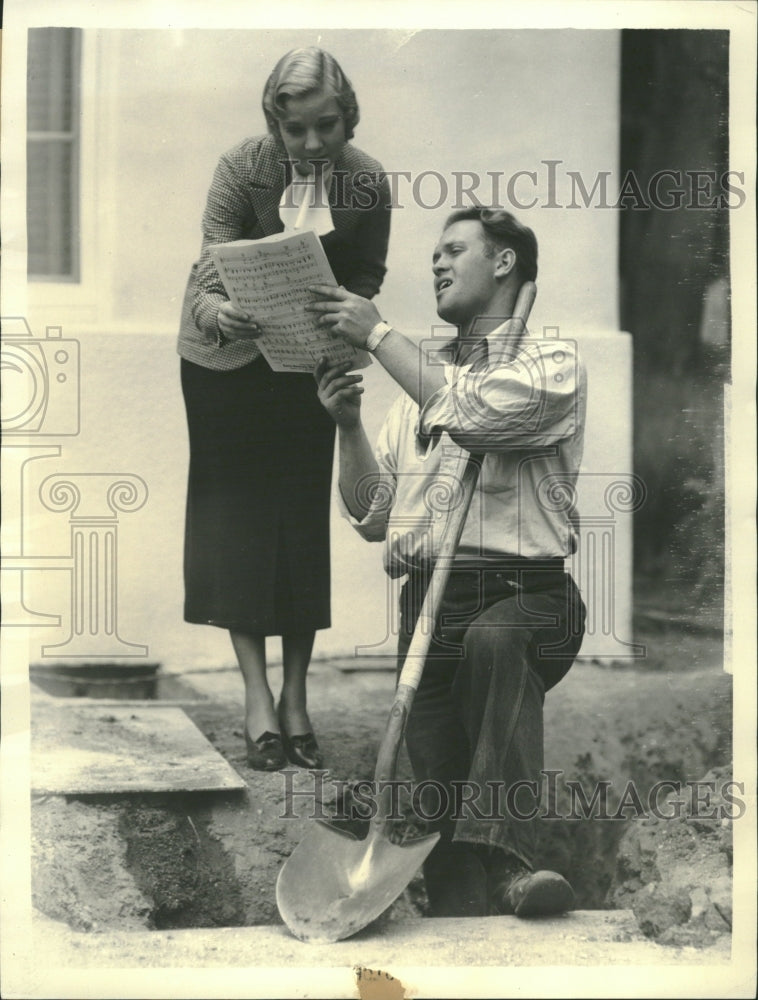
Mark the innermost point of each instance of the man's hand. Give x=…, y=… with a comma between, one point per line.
x=340, y=393
x=236, y=325
x=353, y=318
x=347, y=315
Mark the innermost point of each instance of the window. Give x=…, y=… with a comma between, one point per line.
x=52, y=164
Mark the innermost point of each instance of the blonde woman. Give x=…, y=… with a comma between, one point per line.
x=261, y=445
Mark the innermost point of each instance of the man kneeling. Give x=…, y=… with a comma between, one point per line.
x=511, y=619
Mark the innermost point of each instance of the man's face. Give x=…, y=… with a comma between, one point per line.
x=464, y=276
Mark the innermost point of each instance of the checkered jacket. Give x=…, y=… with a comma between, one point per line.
x=243, y=203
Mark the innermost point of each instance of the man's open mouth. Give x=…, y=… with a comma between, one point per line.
x=445, y=283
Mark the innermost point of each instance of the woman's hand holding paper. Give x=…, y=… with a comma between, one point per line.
x=236, y=325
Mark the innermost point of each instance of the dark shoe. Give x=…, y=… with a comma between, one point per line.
x=302, y=750
x=540, y=894
x=532, y=894
x=266, y=753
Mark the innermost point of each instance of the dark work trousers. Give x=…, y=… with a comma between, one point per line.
x=505, y=634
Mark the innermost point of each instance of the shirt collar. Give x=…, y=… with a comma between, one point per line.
x=478, y=355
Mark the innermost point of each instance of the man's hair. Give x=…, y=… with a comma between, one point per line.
x=502, y=230
x=306, y=71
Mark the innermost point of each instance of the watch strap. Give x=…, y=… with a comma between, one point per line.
x=377, y=335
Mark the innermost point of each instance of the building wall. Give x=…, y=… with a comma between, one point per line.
x=159, y=107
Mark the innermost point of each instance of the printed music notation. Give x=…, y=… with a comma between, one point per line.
x=269, y=279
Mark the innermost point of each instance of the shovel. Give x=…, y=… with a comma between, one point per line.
x=333, y=885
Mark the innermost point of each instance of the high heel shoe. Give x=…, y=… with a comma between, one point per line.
x=303, y=749
x=266, y=753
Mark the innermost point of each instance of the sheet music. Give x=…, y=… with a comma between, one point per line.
x=269, y=279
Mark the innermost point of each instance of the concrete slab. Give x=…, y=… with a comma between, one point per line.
x=476, y=957
x=95, y=749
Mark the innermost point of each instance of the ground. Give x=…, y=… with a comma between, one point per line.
x=202, y=859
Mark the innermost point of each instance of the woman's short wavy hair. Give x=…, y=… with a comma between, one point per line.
x=302, y=72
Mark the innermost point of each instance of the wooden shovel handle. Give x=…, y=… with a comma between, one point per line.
x=415, y=659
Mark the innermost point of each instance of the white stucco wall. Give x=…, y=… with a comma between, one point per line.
x=159, y=107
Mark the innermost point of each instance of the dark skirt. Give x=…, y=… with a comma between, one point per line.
x=256, y=555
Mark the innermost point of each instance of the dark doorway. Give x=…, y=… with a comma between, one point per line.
x=674, y=287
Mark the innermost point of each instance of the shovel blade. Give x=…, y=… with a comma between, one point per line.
x=333, y=885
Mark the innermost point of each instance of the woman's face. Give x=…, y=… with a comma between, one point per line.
x=312, y=128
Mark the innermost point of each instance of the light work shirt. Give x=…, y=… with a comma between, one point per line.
x=526, y=416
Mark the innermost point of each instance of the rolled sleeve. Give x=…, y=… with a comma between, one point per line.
x=529, y=402
x=373, y=526
x=380, y=490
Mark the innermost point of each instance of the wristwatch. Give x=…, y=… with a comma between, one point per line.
x=377, y=335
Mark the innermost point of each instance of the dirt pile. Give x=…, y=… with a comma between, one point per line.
x=79, y=870
x=674, y=870
x=611, y=736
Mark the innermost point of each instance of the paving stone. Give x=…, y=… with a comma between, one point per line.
x=108, y=749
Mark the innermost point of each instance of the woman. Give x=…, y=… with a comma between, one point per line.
x=261, y=445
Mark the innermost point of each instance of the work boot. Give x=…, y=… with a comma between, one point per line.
x=514, y=889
